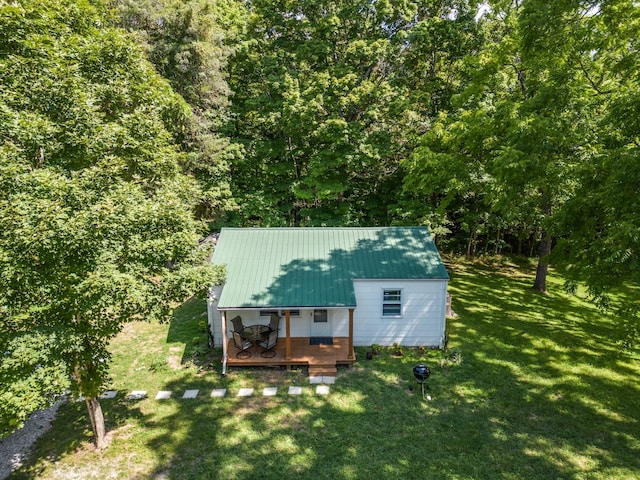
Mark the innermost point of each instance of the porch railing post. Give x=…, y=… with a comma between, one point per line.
x=287, y=344
x=351, y=355
x=225, y=354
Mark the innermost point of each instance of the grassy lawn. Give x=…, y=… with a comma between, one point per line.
x=542, y=391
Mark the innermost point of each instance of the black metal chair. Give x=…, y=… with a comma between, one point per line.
x=268, y=344
x=242, y=345
x=237, y=324
x=274, y=323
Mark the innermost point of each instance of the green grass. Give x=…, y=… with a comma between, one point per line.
x=542, y=392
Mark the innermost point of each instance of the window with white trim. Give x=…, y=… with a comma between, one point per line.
x=392, y=303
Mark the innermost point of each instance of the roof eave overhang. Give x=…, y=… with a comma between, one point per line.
x=400, y=279
x=305, y=307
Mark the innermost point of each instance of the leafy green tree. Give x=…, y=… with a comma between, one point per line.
x=324, y=108
x=190, y=42
x=601, y=222
x=511, y=143
x=96, y=214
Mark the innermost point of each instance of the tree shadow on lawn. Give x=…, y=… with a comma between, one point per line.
x=541, y=393
x=483, y=422
x=557, y=356
x=188, y=327
x=70, y=434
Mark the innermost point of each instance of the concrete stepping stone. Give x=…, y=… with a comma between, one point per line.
x=295, y=390
x=322, y=390
x=137, y=395
x=190, y=394
x=322, y=379
x=270, y=391
x=245, y=392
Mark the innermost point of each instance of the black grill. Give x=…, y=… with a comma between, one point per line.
x=422, y=372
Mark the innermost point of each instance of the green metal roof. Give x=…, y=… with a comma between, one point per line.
x=315, y=267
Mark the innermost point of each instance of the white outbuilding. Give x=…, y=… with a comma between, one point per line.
x=354, y=286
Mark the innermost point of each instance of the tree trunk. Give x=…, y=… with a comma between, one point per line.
x=519, y=247
x=540, y=282
x=471, y=245
x=97, y=422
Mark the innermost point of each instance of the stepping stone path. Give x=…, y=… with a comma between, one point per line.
x=137, y=395
x=295, y=390
x=322, y=379
x=322, y=390
x=216, y=392
x=109, y=394
x=190, y=394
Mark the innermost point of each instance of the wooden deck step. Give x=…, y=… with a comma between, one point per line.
x=323, y=371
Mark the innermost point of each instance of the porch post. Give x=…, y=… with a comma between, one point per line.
x=287, y=344
x=223, y=318
x=351, y=355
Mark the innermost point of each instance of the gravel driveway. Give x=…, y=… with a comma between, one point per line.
x=16, y=447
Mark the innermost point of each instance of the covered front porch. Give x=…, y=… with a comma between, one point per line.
x=321, y=358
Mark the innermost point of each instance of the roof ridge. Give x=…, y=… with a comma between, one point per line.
x=329, y=228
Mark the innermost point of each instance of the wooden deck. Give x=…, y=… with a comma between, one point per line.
x=321, y=359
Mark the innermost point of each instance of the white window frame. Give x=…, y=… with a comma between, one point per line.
x=387, y=301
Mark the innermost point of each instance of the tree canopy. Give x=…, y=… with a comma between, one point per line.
x=97, y=222
x=539, y=142
x=189, y=43
x=325, y=105
x=510, y=127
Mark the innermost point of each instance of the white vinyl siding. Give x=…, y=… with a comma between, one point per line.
x=423, y=313
x=422, y=321
x=214, y=315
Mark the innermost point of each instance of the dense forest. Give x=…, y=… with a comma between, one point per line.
x=507, y=127
x=129, y=128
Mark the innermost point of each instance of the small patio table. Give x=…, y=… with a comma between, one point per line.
x=254, y=333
